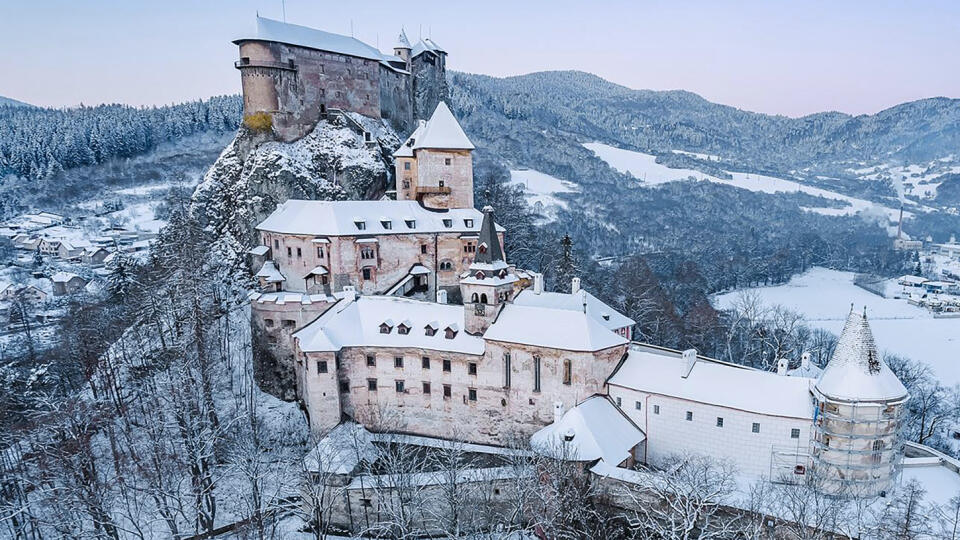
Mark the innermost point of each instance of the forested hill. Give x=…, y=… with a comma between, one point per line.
x=39, y=143
x=7, y=102
x=655, y=121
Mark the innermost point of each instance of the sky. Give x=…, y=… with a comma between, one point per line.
x=773, y=56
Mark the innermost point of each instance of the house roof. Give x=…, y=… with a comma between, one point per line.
x=356, y=322
x=426, y=45
x=604, y=314
x=594, y=429
x=551, y=328
x=856, y=372
x=344, y=447
x=406, y=149
x=311, y=38
x=660, y=371
x=338, y=218
x=270, y=273
x=442, y=132
x=63, y=277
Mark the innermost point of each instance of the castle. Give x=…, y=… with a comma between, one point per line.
x=298, y=75
x=405, y=315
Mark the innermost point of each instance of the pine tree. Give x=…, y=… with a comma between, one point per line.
x=567, y=265
x=120, y=279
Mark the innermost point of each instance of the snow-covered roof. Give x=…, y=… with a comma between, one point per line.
x=594, y=429
x=270, y=273
x=402, y=41
x=424, y=45
x=552, y=328
x=345, y=447
x=442, y=132
x=259, y=251
x=916, y=280
x=660, y=371
x=63, y=277
x=339, y=218
x=356, y=323
x=406, y=149
x=856, y=372
x=303, y=36
x=604, y=314
x=281, y=298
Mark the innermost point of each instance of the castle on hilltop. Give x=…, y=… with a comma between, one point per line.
x=298, y=75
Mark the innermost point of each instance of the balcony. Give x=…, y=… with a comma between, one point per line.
x=248, y=63
x=429, y=190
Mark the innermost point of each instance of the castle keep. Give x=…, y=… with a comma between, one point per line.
x=297, y=74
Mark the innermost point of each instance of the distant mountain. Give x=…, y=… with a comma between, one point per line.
x=7, y=102
x=823, y=144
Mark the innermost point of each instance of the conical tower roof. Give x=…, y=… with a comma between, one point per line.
x=402, y=41
x=443, y=132
x=855, y=371
x=489, y=255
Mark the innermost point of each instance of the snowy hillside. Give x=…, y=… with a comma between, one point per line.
x=7, y=102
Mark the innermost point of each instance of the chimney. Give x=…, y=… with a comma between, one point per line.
x=537, y=283
x=441, y=296
x=583, y=299
x=557, y=411
x=782, y=365
x=805, y=361
x=575, y=285
x=350, y=292
x=689, y=359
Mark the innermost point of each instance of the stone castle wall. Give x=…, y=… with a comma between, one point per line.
x=429, y=83
x=433, y=171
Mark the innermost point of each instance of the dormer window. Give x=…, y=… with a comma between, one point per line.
x=450, y=332
x=468, y=223
x=411, y=223
x=482, y=248
x=448, y=223
x=361, y=225
x=404, y=328
x=430, y=329
x=480, y=274
x=606, y=316
x=387, y=224
x=386, y=327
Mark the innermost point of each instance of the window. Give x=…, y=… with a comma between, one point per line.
x=372, y=385
x=268, y=323
x=345, y=386
x=567, y=372
x=406, y=183
x=299, y=253
x=276, y=244
x=636, y=405
x=755, y=428
x=371, y=360
x=447, y=391
x=289, y=323
x=399, y=385
x=361, y=225
x=321, y=366
x=656, y=409
x=877, y=455
x=367, y=274
x=468, y=223
x=412, y=224
x=469, y=247
x=689, y=416
x=719, y=421
x=448, y=223
x=425, y=362
x=472, y=368
x=506, y=370
x=289, y=252
x=387, y=224
x=385, y=328
x=472, y=394
x=320, y=251
x=366, y=503
x=446, y=365
x=619, y=402
x=429, y=330
x=795, y=433
x=367, y=253
x=406, y=165
x=536, y=373
x=441, y=183
x=450, y=333
x=403, y=329
x=398, y=361
x=423, y=249
x=446, y=265
x=426, y=388
x=446, y=161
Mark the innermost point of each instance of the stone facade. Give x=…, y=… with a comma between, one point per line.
x=440, y=179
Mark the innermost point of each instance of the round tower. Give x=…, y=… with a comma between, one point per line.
x=402, y=48
x=860, y=404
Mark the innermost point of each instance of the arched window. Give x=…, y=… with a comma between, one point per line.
x=483, y=298
x=474, y=298
x=877, y=456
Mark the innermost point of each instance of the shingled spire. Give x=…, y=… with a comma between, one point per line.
x=489, y=251
x=855, y=371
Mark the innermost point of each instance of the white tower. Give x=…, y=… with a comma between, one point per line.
x=860, y=403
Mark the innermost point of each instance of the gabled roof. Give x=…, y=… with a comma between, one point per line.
x=442, y=132
x=604, y=314
x=338, y=218
x=311, y=38
x=270, y=273
x=63, y=277
x=406, y=149
x=594, y=429
x=856, y=372
x=356, y=323
x=426, y=45
x=551, y=328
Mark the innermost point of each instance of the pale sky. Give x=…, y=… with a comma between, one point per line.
x=775, y=56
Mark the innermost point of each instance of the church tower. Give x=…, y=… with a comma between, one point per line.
x=488, y=284
x=860, y=406
x=434, y=166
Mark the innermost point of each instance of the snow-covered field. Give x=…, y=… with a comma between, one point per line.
x=917, y=179
x=824, y=296
x=540, y=189
x=645, y=168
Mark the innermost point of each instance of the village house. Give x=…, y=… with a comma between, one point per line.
x=18, y=291
x=65, y=283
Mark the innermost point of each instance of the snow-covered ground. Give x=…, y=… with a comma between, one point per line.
x=917, y=178
x=824, y=296
x=645, y=168
x=540, y=189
